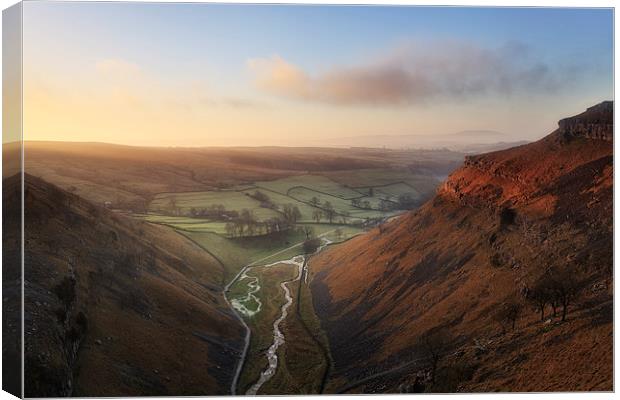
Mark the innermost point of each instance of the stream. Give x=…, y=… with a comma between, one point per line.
x=244, y=310
x=278, y=336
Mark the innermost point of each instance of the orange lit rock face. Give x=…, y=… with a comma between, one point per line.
x=453, y=262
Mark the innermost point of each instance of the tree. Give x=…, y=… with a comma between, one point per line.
x=239, y=228
x=330, y=212
x=557, y=287
x=565, y=284
x=344, y=217
x=434, y=344
x=314, y=201
x=355, y=202
x=311, y=245
x=308, y=231
x=509, y=312
x=247, y=218
x=317, y=215
x=230, y=229
x=540, y=295
x=371, y=192
x=291, y=213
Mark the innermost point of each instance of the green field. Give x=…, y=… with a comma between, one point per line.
x=231, y=199
x=281, y=199
x=316, y=182
x=193, y=215
x=363, y=178
x=308, y=193
x=272, y=298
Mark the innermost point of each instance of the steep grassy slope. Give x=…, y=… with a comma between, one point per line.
x=115, y=306
x=495, y=227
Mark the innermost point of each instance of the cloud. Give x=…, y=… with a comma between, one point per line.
x=416, y=73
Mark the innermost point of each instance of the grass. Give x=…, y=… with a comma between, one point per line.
x=236, y=253
x=231, y=199
x=261, y=324
x=396, y=189
x=306, y=210
x=304, y=357
x=315, y=182
x=340, y=205
x=378, y=177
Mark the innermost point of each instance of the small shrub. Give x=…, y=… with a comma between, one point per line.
x=507, y=216
x=496, y=260
x=65, y=291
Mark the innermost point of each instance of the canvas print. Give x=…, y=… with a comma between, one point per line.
x=232, y=199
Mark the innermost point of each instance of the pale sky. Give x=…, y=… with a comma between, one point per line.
x=202, y=75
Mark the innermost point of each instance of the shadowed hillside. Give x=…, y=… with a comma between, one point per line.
x=116, y=306
x=502, y=282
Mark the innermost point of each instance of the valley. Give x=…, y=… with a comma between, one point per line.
x=337, y=281
x=261, y=234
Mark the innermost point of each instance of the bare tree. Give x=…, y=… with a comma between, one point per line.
x=509, y=312
x=308, y=231
x=330, y=212
x=291, y=213
x=317, y=215
x=434, y=343
x=540, y=295
x=344, y=217
x=230, y=229
x=565, y=285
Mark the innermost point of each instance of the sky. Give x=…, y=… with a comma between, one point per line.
x=174, y=74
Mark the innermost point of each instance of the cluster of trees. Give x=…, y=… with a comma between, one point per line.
x=264, y=200
x=217, y=212
x=325, y=210
x=557, y=288
x=404, y=201
x=246, y=224
x=361, y=204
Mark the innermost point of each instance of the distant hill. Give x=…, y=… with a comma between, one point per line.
x=505, y=230
x=129, y=177
x=468, y=141
x=116, y=306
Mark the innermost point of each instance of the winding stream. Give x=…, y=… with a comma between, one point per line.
x=278, y=336
x=240, y=306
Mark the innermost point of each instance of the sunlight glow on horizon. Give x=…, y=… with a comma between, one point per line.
x=248, y=75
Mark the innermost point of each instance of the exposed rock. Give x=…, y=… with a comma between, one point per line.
x=595, y=123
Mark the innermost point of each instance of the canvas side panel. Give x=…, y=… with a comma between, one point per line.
x=12, y=196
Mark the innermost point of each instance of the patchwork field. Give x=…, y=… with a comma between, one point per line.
x=308, y=193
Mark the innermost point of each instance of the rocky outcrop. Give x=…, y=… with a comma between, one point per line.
x=596, y=122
